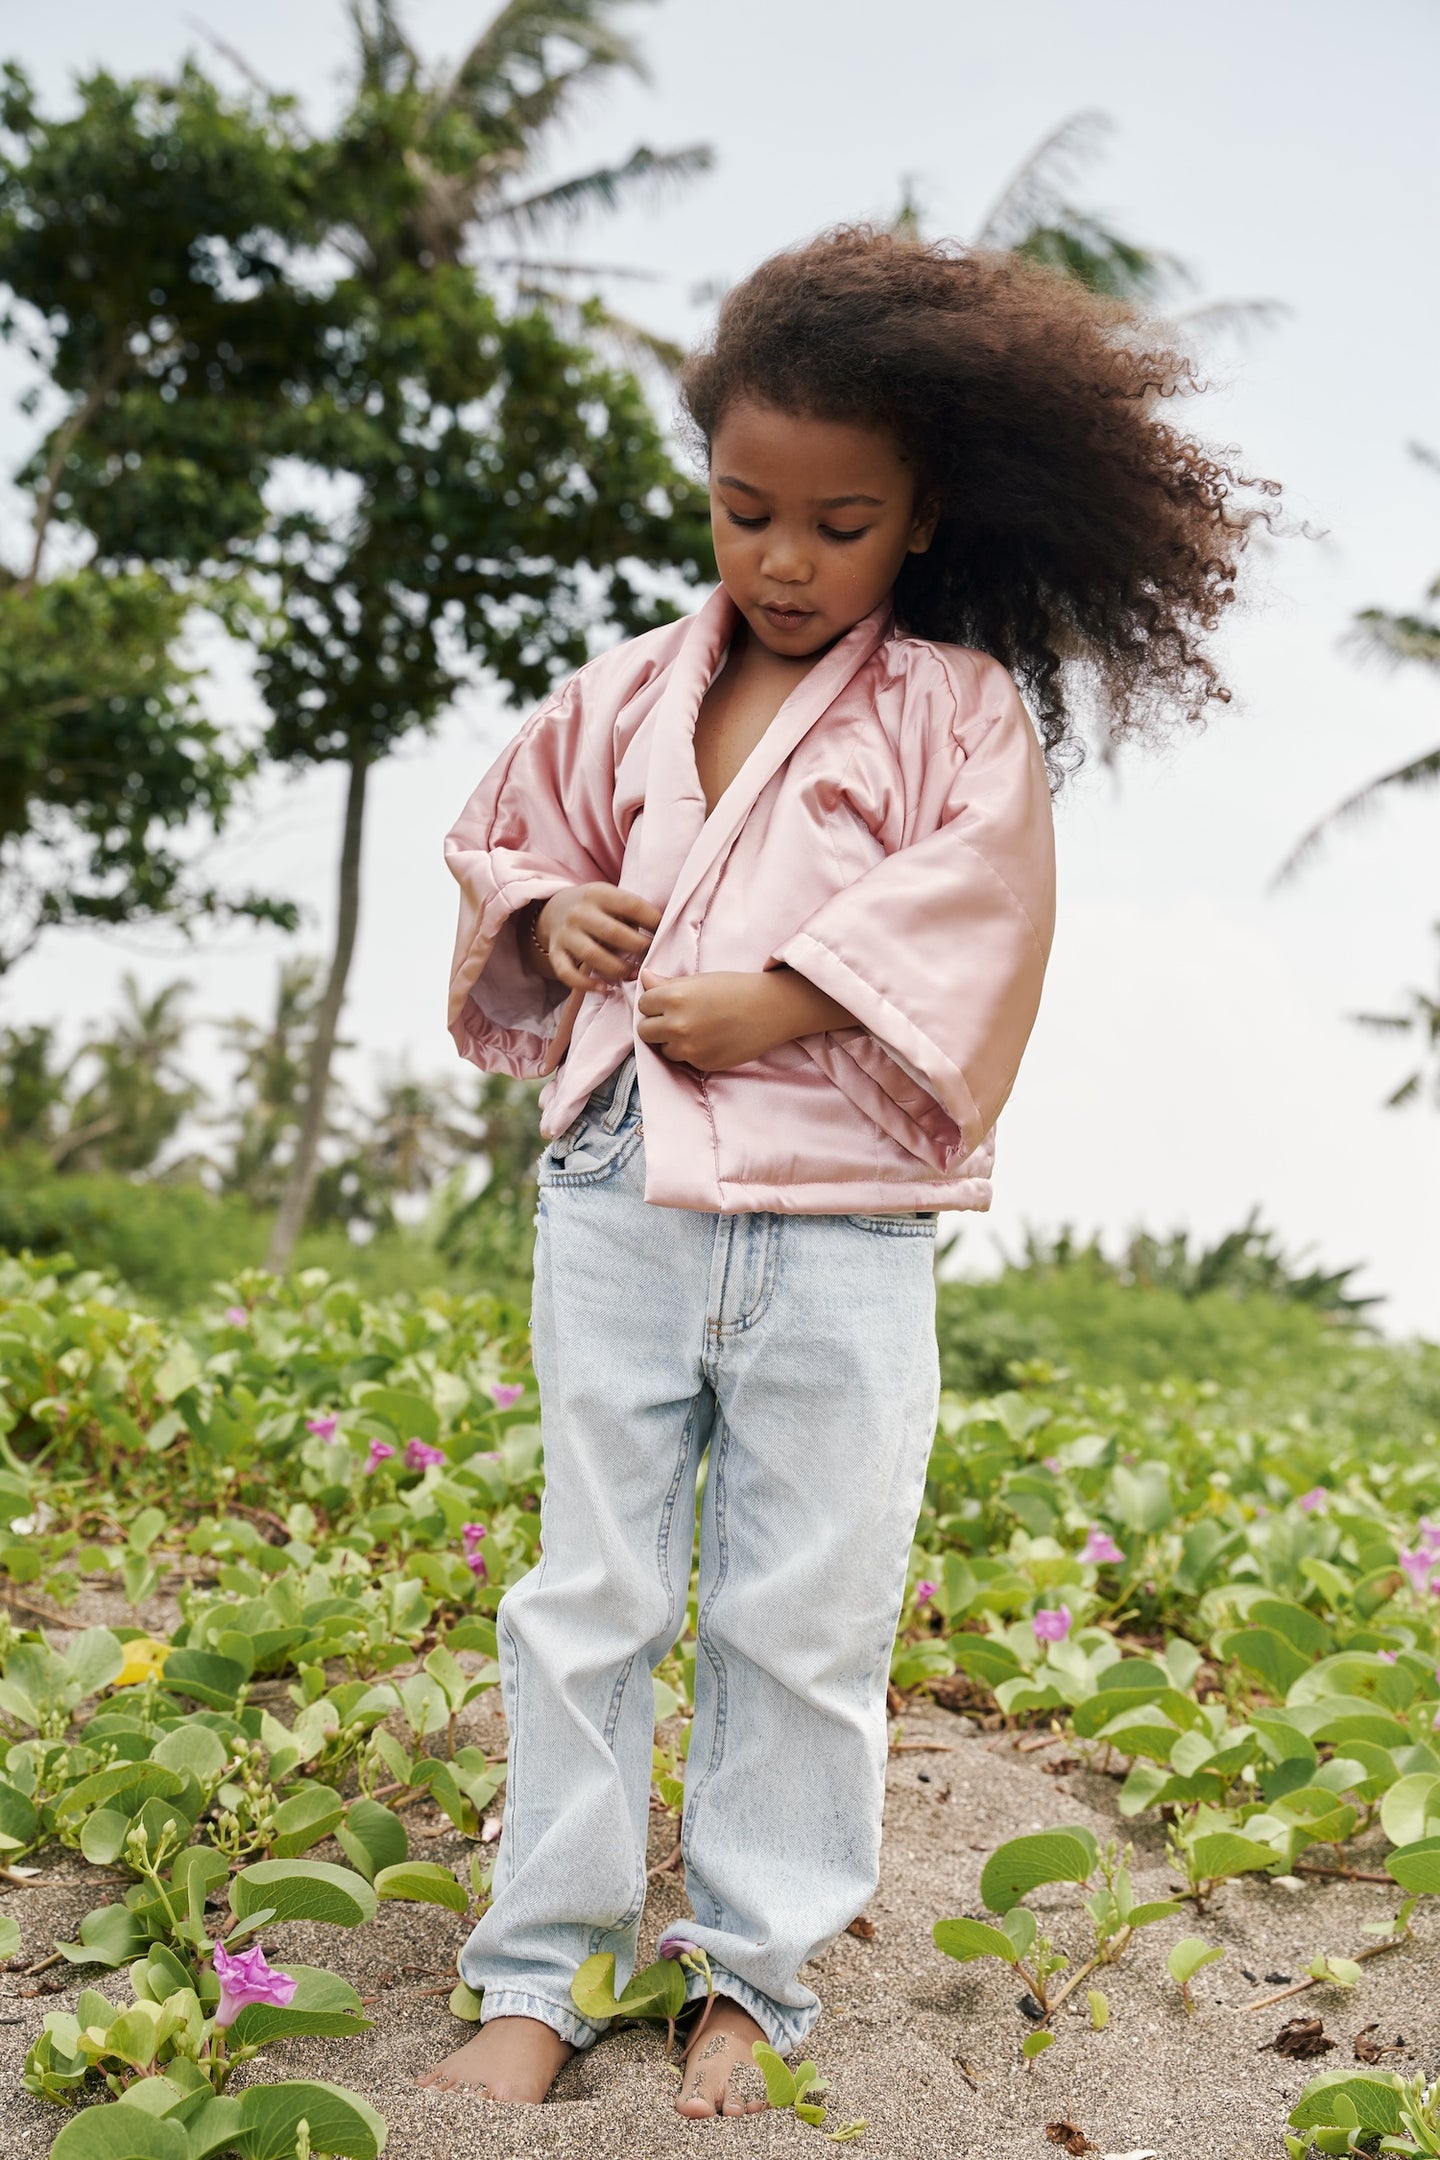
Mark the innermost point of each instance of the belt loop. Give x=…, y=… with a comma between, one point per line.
x=620, y=1101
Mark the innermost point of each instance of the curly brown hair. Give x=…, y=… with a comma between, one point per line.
x=1083, y=540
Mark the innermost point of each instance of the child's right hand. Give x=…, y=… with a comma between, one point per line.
x=594, y=935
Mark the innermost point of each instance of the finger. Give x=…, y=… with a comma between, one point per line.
x=652, y=1002
x=573, y=976
x=652, y=979
x=633, y=908
x=611, y=930
x=587, y=952
x=652, y=1031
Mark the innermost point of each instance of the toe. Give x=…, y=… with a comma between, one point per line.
x=694, y=2105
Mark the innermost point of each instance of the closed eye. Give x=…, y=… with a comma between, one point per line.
x=746, y=524
x=829, y=532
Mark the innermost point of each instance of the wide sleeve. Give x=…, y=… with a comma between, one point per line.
x=541, y=819
x=940, y=949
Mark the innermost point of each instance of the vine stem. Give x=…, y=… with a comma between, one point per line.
x=1396, y=1942
x=1076, y=1979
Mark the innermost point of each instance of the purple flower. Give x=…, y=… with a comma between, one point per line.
x=246, y=1978
x=506, y=1393
x=1101, y=1549
x=476, y=1563
x=471, y=1534
x=924, y=1591
x=1387, y=1657
x=1314, y=1502
x=1416, y=1566
x=1051, y=1626
x=322, y=1427
x=380, y=1451
x=237, y=1315
x=420, y=1456
x=677, y=1949
x=1428, y=1537
x=1054, y=1465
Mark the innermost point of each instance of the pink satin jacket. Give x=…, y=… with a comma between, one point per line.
x=889, y=837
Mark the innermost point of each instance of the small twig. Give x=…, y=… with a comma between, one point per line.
x=1375, y=1950
x=1033, y=1742
x=921, y=1747
x=672, y=1859
x=1345, y=1874
x=44, y=1966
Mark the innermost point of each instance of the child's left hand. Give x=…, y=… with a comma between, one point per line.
x=716, y=1022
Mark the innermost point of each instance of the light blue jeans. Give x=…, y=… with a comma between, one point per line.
x=800, y=1351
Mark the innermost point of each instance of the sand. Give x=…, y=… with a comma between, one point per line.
x=900, y=2019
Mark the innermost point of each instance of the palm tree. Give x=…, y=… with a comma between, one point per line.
x=1422, y=1019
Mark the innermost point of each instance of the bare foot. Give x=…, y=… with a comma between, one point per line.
x=512, y=2058
x=720, y=2073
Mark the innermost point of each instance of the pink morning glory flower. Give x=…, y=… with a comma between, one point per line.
x=380, y=1451
x=1416, y=1566
x=237, y=1315
x=1101, y=1549
x=1314, y=1502
x=506, y=1393
x=1053, y=1464
x=475, y=1561
x=420, y=1456
x=247, y=1978
x=1051, y=1626
x=322, y=1427
x=924, y=1591
x=1428, y=1537
x=1387, y=1657
x=677, y=1949
x=471, y=1534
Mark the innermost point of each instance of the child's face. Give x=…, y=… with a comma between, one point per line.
x=812, y=520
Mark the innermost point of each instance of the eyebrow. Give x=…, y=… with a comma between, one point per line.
x=831, y=502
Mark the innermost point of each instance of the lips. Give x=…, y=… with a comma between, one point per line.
x=787, y=618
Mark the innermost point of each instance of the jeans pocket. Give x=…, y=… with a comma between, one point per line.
x=915, y=1223
x=588, y=1154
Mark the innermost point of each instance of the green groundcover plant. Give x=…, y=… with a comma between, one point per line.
x=1236, y=1608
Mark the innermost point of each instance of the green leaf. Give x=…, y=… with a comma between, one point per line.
x=593, y=1988
x=213, y=2124
x=1099, y=2008
x=656, y=1991
x=303, y=1890
x=121, y=2133
x=192, y=1748
x=1035, y=2043
x=95, y=1658
x=1410, y=1810
x=305, y=1818
x=131, y=1783
x=1224, y=1852
x=779, y=2084
x=1023, y=1864
x=1335, y=1971
x=1189, y=1956
x=372, y=1837
x=967, y=1939
x=9, y=1935
x=1021, y=1926
x=110, y=1936
x=180, y=1370
x=323, y=2004
x=1417, y=1866
x=409, y=1416
x=465, y=2003
x=146, y=1527
x=421, y=1882
x=340, y=2121
x=103, y=1835
x=205, y=1677
x=1374, y=2100
x=1268, y=1655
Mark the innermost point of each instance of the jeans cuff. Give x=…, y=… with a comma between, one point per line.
x=785, y=2030
x=560, y=2017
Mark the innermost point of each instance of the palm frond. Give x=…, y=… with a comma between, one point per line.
x=1032, y=195
x=1078, y=246
x=536, y=266
x=1397, y=637
x=1238, y=318
x=1418, y=772
x=631, y=341
x=521, y=39
x=602, y=189
x=387, y=57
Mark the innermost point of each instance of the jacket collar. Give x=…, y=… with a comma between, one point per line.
x=678, y=842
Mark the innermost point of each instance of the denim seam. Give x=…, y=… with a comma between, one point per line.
x=569, y=1180
x=727, y=1330
x=719, y=1449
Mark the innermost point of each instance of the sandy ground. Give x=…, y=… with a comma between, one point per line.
x=900, y=2019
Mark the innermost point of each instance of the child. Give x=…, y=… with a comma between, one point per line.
x=769, y=894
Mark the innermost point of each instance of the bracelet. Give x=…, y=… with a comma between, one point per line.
x=532, y=914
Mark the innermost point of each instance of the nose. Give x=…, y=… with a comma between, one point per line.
x=785, y=559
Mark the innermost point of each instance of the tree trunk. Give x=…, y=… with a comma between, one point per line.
x=300, y=1186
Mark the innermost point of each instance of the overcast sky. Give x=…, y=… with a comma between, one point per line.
x=1194, y=1058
